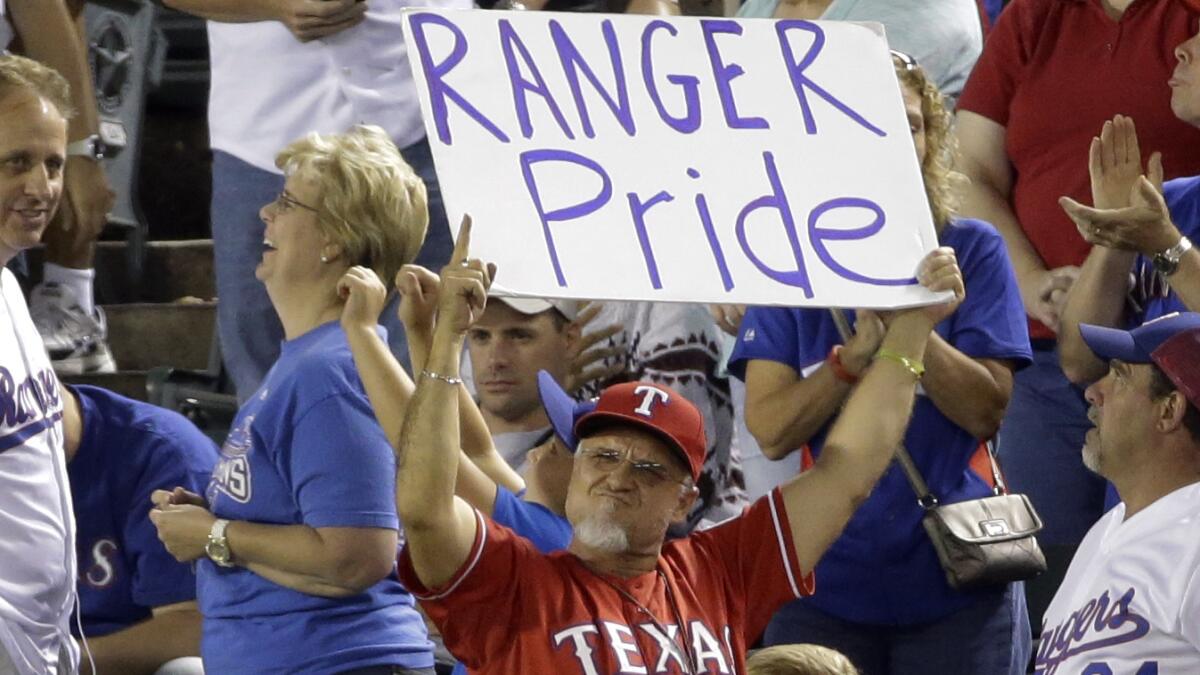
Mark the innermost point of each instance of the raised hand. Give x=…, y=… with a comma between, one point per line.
x=728, y=317
x=1115, y=163
x=938, y=272
x=364, y=296
x=1145, y=226
x=419, y=290
x=465, y=284
x=584, y=352
x=869, y=330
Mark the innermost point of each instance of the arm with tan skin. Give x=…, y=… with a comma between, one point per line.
x=440, y=528
x=863, y=439
x=326, y=561
x=171, y=632
x=972, y=393
x=984, y=160
x=785, y=410
x=52, y=32
x=419, y=290
x=390, y=390
x=1129, y=217
x=305, y=19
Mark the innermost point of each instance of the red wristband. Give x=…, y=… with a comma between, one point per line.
x=839, y=370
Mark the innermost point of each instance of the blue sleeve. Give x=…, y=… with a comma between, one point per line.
x=991, y=321
x=157, y=578
x=340, y=465
x=768, y=333
x=548, y=531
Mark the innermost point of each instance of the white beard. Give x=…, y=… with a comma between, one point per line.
x=599, y=532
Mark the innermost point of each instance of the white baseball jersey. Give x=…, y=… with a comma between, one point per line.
x=37, y=528
x=1130, y=603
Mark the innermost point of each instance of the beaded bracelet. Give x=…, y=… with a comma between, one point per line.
x=911, y=365
x=444, y=378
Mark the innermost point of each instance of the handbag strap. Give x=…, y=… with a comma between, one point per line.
x=925, y=498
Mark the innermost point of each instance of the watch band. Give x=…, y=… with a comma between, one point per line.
x=1167, y=262
x=217, y=548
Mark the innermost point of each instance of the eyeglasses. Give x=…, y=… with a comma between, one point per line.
x=647, y=473
x=905, y=60
x=285, y=202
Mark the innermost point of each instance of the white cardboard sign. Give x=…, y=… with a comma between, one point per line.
x=675, y=159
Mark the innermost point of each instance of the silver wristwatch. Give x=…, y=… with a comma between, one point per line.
x=217, y=547
x=1167, y=262
x=92, y=147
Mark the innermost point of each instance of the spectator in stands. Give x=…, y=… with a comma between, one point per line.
x=282, y=68
x=579, y=609
x=513, y=340
x=1128, y=601
x=1135, y=231
x=1051, y=73
x=137, y=603
x=798, y=374
x=945, y=36
x=63, y=308
x=678, y=345
x=534, y=507
x=297, y=534
x=798, y=660
x=37, y=531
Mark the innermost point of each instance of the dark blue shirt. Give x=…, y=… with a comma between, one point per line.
x=306, y=449
x=128, y=450
x=883, y=570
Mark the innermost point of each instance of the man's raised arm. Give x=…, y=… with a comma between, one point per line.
x=440, y=528
x=863, y=440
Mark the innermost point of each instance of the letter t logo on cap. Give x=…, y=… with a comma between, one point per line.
x=650, y=396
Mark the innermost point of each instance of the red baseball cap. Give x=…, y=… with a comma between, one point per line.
x=657, y=409
x=1179, y=358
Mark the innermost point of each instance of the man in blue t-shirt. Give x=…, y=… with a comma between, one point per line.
x=1142, y=264
x=137, y=604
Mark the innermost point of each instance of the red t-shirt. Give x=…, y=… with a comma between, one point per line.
x=1052, y=72
x=511, y=609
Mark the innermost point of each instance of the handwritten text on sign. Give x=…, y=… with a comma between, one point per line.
x=639, y=158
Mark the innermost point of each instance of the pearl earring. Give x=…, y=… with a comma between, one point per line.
x=324, y=259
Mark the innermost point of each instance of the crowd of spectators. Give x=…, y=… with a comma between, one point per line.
x=423, y=477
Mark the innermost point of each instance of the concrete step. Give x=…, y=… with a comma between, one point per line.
x=146, y=335
x=173, y=270
x=131, y=383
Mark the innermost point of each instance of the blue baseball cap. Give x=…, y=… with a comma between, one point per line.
x=562, y=409
x=1137, y=345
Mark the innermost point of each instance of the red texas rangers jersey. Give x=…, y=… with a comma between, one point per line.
x=511, y=609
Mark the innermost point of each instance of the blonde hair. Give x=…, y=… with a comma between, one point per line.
x=801, y=659
x=942, y=183
x=18, y=72
x=371, y=201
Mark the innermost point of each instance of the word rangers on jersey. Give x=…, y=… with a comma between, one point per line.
x=22, y=402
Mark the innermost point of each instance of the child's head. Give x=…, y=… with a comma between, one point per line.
x=798, y=660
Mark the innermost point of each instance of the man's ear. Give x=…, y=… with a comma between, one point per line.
x=1174, y=409
x=687, y=497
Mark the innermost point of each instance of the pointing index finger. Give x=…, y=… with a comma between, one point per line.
x=462, y=245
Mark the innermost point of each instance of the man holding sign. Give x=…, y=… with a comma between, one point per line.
x=620, y=599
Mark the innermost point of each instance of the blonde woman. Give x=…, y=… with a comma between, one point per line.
x=296, y=536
